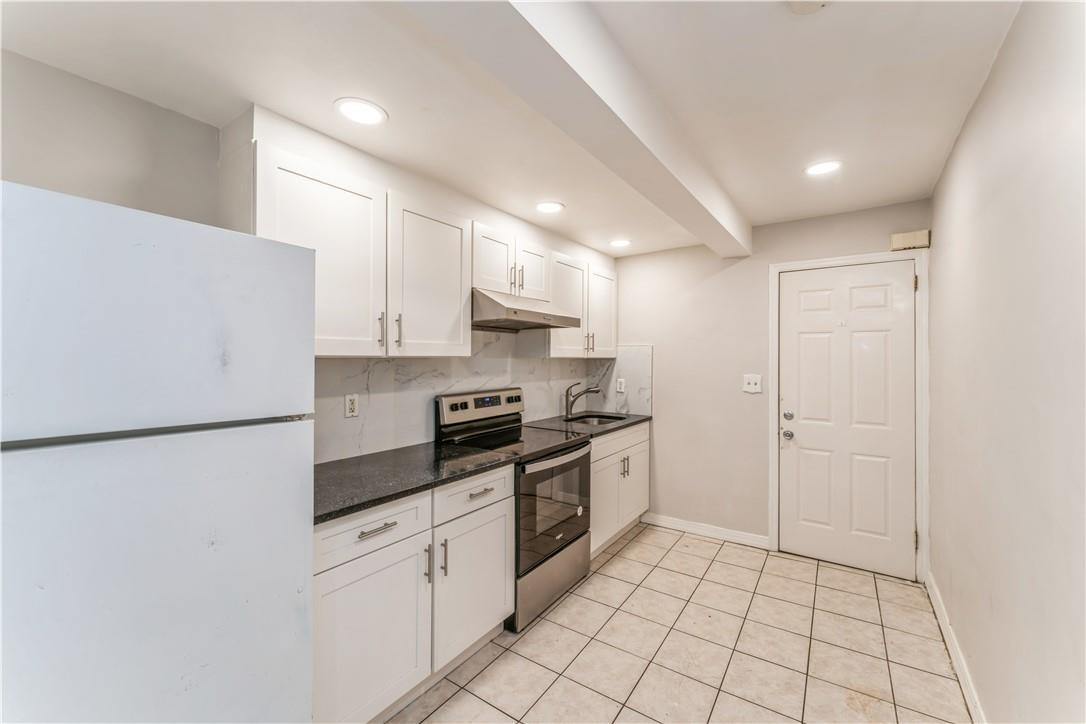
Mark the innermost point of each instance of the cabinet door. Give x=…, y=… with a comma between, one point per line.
x=475, y=576
x=604, y=501
x=429, y=280
x=342, y=217
x=533, y=270
x=372, y=631
x=633, y=491
x=493, y=260
x=569, y=279
x=602, y=313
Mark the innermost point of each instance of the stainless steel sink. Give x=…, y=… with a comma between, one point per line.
x=595, y=419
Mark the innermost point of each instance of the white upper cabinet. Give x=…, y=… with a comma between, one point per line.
x=602, y=313
x=569, y=278
x=341, y=217
x=494, y=260
x=429, y=280
x=503, y=263
x=533, y=270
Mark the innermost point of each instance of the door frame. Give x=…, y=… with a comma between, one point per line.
x=921, y=386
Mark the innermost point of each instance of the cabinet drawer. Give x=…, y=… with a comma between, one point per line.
x=456, y=499
x=607, y=445
x=346, y=538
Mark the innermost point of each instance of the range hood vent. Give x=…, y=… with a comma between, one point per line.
x=498, y=312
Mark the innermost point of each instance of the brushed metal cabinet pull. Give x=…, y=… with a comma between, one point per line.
x=445, y=556
x=367, y=533
x=522, y=278
x=513, y=277
x=429, y=573
x=480, y=493
x=381, y=329
x=593, y=335
x=399, y=330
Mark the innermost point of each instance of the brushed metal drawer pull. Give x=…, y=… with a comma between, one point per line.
x=367, y=533
x=445, y=556
x=429, y=573
x=480, y=493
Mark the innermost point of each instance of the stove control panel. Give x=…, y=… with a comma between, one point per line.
x=469, y=406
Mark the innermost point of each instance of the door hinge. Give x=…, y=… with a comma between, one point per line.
x=916, y=282
x=916, y=540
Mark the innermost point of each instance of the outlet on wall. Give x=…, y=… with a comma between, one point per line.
x=620, y=385
x=752, y=384
x=350, y=405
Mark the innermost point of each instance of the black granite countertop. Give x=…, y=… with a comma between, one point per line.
x=341, y=487
x=560, y=423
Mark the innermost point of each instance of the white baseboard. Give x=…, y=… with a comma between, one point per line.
x=955, y=650
x=710, y=531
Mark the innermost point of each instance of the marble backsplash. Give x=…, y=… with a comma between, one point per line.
x=634, y=366
x=396, y=396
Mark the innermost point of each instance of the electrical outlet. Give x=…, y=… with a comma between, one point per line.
x=752, y=384
x=350, y=405
x=620, y=385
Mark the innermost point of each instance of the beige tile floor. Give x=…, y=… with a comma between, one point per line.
x=674, y=627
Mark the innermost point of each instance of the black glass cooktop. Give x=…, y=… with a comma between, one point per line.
x=528, y=442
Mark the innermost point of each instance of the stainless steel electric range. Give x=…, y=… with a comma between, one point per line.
x=553, y=490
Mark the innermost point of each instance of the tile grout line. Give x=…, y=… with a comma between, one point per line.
x=742, y=624
x=889, y=674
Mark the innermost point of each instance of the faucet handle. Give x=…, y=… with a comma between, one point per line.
x=570, y=388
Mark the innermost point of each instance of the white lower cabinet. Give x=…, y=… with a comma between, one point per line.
x=372, y=630
x=620, y=482
x=474, y=577
x=633, y=484
x=604, y=520
x=411, y=600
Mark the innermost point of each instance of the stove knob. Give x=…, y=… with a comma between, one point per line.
x=454, y=407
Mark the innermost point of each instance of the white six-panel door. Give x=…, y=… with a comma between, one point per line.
x=847, y=377
x=342, y=217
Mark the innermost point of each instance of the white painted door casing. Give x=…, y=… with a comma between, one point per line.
x=429, y=280
x=602, y=313
x=494, y=259
x=474, y=577
x=847, y=375
x=569, y=280
x=373, y=630
x=343, y=218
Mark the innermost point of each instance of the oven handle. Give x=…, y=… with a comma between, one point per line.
x=559, y=461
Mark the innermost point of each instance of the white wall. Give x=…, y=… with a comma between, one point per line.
x=1007, y=376
x=67, y=134
x=708, y=321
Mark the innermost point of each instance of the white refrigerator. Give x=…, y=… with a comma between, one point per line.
x=157, y=462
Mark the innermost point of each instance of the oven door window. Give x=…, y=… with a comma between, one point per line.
x=554, y=508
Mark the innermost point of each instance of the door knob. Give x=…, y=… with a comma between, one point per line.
x=788, y=434
x=788, y=415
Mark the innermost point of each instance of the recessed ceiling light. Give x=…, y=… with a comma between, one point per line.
x=549, y=207
x=823, y=167
x=620, y=242
x=361, y=111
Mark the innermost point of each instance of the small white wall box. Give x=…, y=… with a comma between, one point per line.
x=910, y=240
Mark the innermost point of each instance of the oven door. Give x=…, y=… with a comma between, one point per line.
x=552, y=504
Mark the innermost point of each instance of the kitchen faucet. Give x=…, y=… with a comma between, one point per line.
x=571, y=398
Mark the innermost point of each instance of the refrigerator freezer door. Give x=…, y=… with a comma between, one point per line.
x=160, y=578
x=116, y=319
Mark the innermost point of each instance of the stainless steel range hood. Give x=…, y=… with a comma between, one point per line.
x=498, y=312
